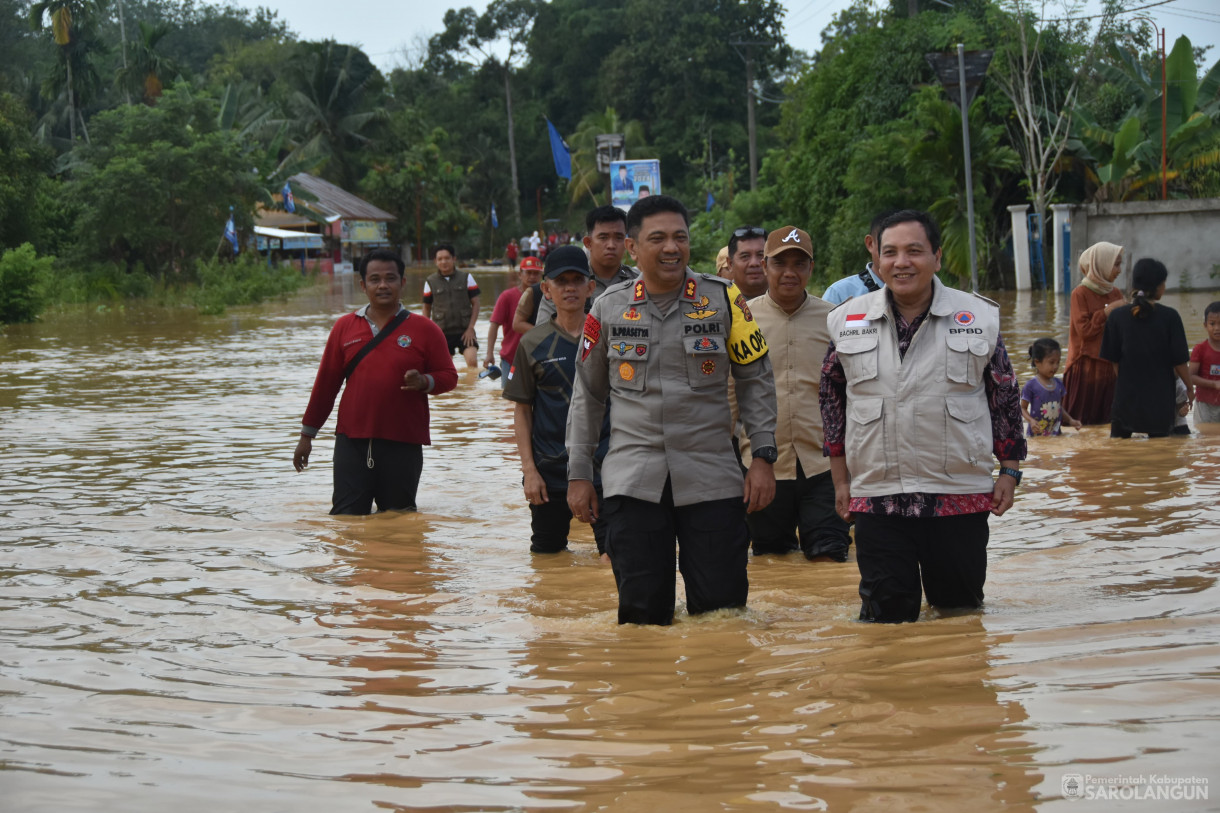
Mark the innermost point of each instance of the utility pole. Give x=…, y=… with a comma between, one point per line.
x=961, y=83
x=750, y=120
x=123, y=40
x=748, y=58
x=961, y=75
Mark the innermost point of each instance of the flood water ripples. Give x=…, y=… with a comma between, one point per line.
x=183, y=627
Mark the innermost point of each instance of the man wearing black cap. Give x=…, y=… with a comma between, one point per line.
x=540, y=383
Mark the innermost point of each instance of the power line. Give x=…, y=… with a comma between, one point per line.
x=812, y=15
x=1199, y=11
x=1191, y=16
x=1119, y=14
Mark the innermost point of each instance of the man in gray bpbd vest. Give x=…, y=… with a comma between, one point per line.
x=917, y=394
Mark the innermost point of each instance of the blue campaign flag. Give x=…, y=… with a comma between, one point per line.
x=495, y=221
x=290, y=204
x=710, y=202
x=560, y=152
x=231, y=231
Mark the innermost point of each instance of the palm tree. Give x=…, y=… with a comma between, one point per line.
x=936, y=152
x=331, y=108
x=585, y=177
x=68, y=18
x=147, y=68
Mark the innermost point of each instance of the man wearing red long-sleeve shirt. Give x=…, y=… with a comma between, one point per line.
x=383, y=415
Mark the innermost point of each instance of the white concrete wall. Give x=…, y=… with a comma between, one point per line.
x=1183, y=234
x=1020, y=245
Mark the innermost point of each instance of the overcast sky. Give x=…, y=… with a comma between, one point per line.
x=385, y=28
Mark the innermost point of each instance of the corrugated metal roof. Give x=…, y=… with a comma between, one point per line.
x=335, y=201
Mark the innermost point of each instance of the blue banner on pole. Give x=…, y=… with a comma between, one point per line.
x=711, y=201
x=560, y=152
x=290, y=204
x=495, y=221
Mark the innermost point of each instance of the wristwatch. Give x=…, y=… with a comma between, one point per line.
x=768, y=454
x=1013, y=473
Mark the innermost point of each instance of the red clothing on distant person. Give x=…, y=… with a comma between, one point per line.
x=1209, y=368
x=511, y=250
x=502, y=315
x=374, y=405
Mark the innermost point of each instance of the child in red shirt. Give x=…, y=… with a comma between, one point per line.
x=1205, y=368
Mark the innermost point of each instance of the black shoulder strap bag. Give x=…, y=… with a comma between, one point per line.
x=390, y=327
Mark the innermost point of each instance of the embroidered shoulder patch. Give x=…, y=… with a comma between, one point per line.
x=592, y=335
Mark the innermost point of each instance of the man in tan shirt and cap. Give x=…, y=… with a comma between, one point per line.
x=794, y=325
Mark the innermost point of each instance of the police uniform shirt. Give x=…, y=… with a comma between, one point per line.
x=667, y=376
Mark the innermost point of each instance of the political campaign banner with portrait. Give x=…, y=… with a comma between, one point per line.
x=632, y=180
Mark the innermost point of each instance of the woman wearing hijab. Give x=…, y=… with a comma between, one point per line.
x=1088, y=379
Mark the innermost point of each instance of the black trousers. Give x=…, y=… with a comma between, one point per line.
x=807, y=505
x=949, y=555
x=368, y=469
x=713, y=547
x=551, y=521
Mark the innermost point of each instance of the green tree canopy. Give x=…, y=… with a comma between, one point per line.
x=157, y=184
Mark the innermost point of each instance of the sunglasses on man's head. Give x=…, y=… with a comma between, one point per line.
x=752, y=231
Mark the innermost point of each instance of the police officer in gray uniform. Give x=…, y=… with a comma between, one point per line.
x=662, y=349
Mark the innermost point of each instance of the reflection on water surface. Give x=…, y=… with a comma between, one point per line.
x=183, y=626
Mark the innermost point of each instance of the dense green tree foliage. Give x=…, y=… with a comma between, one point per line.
x=24, y=164
x=159, y=182
x=123, y=141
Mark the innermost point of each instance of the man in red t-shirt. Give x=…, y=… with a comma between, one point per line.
x=1205, y=368
x=502, y=316
x=383, y=416
x=510, y=251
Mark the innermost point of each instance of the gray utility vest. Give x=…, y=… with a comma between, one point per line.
x=450, y=301
x=920, y=424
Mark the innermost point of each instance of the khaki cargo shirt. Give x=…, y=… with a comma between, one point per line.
x=667, y=378
x=796, y=345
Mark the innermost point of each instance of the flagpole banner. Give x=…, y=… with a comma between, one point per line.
x=495, y=221
x=560, y=152
x=632, y=180
x=290, y=204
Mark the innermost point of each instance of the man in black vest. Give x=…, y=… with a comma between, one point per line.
x=452, y=301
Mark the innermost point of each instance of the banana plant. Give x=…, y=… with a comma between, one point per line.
x=1124, y=163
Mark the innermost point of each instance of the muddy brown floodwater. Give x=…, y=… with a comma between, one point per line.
x=184, y=628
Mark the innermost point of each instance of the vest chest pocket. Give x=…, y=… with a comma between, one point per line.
x=967, y=356
x=858, y=355
x=867, y=452
x=707, y=360
x=967, y=441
